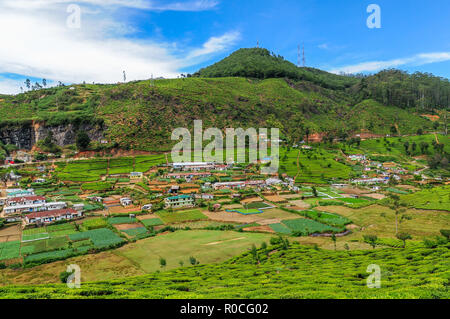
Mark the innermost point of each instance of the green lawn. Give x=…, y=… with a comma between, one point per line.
x=204, y=245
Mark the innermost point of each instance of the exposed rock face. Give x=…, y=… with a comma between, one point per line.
x=22, y=137
x=26, y=136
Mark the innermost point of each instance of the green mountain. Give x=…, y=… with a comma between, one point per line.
x=279, y=272
x=250, y=88
x=261, y=64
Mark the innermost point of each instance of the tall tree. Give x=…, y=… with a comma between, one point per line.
x=82, y=140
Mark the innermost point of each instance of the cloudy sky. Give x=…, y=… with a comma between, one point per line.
x=96, y=40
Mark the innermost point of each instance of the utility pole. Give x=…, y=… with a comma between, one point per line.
x=124, y=77
x=445, y=123
x=304, y=60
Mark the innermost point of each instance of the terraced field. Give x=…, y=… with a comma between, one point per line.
x=296, y=272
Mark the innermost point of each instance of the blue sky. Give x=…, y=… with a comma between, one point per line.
x=166, y=38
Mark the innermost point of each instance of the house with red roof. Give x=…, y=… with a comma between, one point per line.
x=25, y=200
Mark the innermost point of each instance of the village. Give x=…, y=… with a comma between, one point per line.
x=60, y=207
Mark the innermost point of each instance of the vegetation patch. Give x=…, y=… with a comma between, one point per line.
x=181, y=216
x=152, y=222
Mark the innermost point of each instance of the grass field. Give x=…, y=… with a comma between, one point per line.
x=246, y=211
x=9, y=250
x=135, y=231
x=94, y=223
x=380, y=220
x=436, y=198
x=328, y=218
x=315, y=166
x=205, y=246
x=308, y=226
x=257, y=205
x=181, y=216
x=143, y=256
x=152, y=222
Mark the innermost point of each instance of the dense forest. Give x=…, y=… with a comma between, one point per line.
x=421, y=91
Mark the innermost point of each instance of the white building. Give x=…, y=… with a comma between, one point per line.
x=136, y=175
x=193, y=166
x=147, y=207
x=179, y=201
x=52, y=216
x=126, y=201
x=17, y=192
x=25, y=200
x=29, y=208
x=78, y=207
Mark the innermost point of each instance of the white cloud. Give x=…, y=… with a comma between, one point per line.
x=373, y=66
x=8, y=86
x=216, y=44
x=192, y=5
x=40, y=45
x=47, y=49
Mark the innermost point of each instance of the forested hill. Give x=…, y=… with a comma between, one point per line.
x=418, y=91
x=260, y=63
x=421, y=91
x=251, y=88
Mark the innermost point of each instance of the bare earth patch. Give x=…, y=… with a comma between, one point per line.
x=300, y=204
x=124, y=210
x=265, y=229
x=289, y=196
x=275, y=198
x=354, y=191
x=223, y=241
x=375, y=195
x=251, y=200
x=127, y=226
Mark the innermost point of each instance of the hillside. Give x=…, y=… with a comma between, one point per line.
x=260, y=63
x=297, y=272
x=251, y=88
